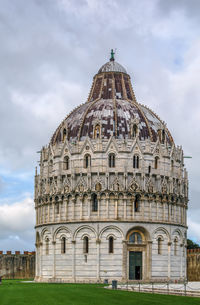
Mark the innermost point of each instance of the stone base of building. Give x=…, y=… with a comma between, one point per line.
x=102, y=281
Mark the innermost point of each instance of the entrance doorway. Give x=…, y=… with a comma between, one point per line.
x=135, y=265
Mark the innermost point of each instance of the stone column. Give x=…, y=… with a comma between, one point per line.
x=163, y=211
x=169, y=211
x=39, y=213
x=73, y=208
x=181, y=263
x=89, y=206
x=185, y=209
x=54, y=261
x=74, y=261
x=40, y=221
x=48, y=213
x=133, y=207
x=98, y=241
x=66, y=204
x=41, y=254
x=99, y=205
x=143, y=202
x=81, y=206
x=37, y=262
x=157, y=214
x=60, y=210
x=124, y=261
x=125, y=207
x=116, y=208
x=36, y=216
x=150, y=207
x=53, y=205
x=175, y=213
x=149, y=258
x=107, y=205
x=169, y=260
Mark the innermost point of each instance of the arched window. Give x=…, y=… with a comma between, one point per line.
x=149, y=169
x=159, y=245
x=66, y=163
x=175, y=246
x=156, y=162
x=64, y=134
x=63, y=245
x=85, y=244
x=163, y=137
x=56, y=205
x=50, y=166
x=111, y=160
x=135, y=238
x=134, y=131
x=47, y=246
x=111, y=244
x=97, y=131
x=87, y=161
x=135, y=161
x=172, y=165
x=94, y=203
x=136, y=203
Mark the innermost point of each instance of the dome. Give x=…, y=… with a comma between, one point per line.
x=112, y=105
x=116, y=118
x=112, y=66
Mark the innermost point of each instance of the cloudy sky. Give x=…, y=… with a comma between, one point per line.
x=49, y=52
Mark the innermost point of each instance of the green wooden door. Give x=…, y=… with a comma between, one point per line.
x=135, y=265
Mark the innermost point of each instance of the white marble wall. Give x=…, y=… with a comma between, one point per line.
x=100, y=264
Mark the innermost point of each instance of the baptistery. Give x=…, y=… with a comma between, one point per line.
x=112, y=192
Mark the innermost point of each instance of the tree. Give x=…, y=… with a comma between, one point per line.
x=192, y=245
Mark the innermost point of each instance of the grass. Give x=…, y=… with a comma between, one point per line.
x=13, y=292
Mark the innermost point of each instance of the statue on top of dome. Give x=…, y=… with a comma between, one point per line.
x=112, y=53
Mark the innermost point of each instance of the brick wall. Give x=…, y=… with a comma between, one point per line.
x=193, y=264
x=17, y=265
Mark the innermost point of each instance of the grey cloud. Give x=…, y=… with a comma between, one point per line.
x=189, y=8
x=50, y=51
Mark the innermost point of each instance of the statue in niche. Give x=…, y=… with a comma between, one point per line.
x=164, y=188
x=98, y=187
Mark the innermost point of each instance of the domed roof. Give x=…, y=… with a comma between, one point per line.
x=111, y=105
x=112, y=66
x=114, y=117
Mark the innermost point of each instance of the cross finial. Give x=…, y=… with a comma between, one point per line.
x=112, y=55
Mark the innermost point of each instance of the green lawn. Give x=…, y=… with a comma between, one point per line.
x=13, y=292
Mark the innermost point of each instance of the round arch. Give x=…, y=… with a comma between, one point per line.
x=84, y=227
x=111, y=227
x=179, y=233
x=59, y=229
x=139, y=229
x=162, y=230
x=44, y=230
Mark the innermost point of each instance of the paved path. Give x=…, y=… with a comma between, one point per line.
x=189, y=289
